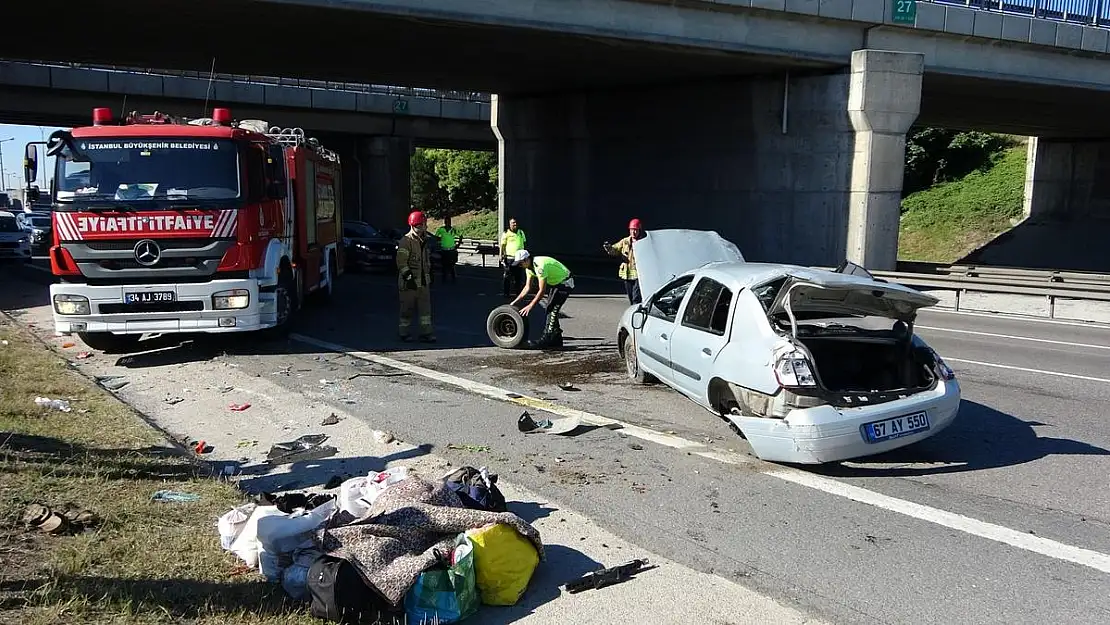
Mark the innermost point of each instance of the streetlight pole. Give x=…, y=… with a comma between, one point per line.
x=3, y=177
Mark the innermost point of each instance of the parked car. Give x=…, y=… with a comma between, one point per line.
x=15, y=242
x=809, y=365
x=39, y=226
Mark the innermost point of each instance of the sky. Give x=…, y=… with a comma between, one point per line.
x=13, y=155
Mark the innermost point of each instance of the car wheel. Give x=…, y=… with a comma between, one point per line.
x=506, y=327
x=110, y=343
x=632, y=362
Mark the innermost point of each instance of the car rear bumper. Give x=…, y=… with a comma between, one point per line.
x=191, y=312
x=827, y=434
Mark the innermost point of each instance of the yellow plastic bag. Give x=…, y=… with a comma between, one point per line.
x=503, y=562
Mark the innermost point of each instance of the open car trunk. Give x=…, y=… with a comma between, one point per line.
x=866, y=368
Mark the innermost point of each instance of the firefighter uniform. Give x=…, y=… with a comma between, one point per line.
x=414, y=267
x=627, y=272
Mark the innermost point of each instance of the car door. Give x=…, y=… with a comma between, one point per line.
x=653, y=341
x=700, y=335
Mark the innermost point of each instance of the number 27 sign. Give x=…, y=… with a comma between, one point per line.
x=904, y=11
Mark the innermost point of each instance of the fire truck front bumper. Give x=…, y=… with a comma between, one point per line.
x=216, y=306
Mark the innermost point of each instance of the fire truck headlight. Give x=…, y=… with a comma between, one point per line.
x=231, y=300
x=71, y=305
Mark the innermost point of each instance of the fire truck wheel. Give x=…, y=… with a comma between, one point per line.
x=110, y=343
x=286, y=296
x=506, y=327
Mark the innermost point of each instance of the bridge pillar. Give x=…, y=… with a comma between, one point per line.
x=385, y=181
x=884, y=99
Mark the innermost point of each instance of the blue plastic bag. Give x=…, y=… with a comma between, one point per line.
x=446, y=595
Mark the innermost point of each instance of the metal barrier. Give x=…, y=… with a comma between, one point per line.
x=299, y=83
x=1088, y=12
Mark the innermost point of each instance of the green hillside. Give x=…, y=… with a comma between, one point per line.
x=947, y=221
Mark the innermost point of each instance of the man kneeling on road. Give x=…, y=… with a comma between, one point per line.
x=553, y=279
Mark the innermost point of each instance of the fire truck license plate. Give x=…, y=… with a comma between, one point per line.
x=149, y=297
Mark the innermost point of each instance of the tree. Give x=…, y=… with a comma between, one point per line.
x=937, y=155
x=455, y=180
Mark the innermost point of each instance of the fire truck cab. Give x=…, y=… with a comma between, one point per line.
x=164, y=226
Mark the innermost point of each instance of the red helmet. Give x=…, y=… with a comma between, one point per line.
x=416, y=217
x=634, y=224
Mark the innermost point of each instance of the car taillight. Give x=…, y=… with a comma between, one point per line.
x=943, y=370
x=793, y=370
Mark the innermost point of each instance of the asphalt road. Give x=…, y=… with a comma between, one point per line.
x=1028, y=453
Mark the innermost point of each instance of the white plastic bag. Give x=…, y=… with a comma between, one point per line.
x=56, y=404
x=246, y=544
x=285, y=533
x=232, y=522
x=357, y=494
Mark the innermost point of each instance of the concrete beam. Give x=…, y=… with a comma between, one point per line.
x=884, y=99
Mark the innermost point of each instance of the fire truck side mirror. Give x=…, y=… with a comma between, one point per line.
x=32, y=194
x=31, y=163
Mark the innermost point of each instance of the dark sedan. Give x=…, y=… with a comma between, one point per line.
x=365, y=247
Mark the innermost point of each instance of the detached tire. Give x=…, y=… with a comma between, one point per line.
x=506, y=327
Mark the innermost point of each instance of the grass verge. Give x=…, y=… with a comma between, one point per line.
x=944, y=223
x=481, y=225
x=144, y=562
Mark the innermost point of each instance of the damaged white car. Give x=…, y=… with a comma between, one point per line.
x=810, y=366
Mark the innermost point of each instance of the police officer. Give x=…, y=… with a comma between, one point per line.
x=512, y=241
x=449, y=248
x=414, y=267
x=556, y=282
x=627, y=271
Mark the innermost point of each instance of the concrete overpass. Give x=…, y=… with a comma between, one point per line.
x=779, y=122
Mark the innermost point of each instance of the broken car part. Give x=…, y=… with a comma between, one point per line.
x=609, y=576
x=307, y=447
x=528, y=425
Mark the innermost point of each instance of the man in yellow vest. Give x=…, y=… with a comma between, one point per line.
x=414, y=276
x=627, y=271
x=512, y=241
x=449, y=249
x=555, y=282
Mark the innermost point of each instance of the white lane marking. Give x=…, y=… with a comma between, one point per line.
x=1021, y=540
x=1036, y=544
x=1096, y=325
x=1012, y=337
x=1060, y=374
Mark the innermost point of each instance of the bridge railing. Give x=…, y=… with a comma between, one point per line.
x=275, y=81
x=1087, y=12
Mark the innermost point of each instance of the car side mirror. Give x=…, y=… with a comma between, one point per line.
x=639, y=318
x=30, y=163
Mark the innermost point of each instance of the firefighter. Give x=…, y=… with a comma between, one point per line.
x=414, y=267
x=627, y=271
x=449, y=248
x=553, y=280
x=512, y=240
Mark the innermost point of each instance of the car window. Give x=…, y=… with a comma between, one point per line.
x=766, y=293
x=708, y=308
x=665, y=305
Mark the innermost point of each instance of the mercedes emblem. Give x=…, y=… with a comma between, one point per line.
x=147, y=253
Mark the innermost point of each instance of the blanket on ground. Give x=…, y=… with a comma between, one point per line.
x=399, y=537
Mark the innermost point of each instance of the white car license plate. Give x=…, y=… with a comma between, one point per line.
x=897, y=427
x=384, y=257
x=149, y=297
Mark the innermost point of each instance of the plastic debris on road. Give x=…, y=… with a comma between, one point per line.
x=173, y=496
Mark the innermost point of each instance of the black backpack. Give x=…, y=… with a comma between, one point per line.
x=338, y=594
x=468, y=484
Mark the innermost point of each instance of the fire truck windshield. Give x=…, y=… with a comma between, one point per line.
x=151, y=170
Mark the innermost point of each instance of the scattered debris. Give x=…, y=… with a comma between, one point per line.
x=307, y=447
x=348, y=401
x=54, y=404
x=202, y=447
x=636, y=446
x=324, y=382
x=238, y=407
x=112, y=382
x=528, y=425
x=168, y=496
x=366, y=374
x=174, y=400
x=567, y=386
x=246, y=443
x=226, y=389
x=331, y=419
x=558, y=459
x=383, y=438
x=72, y=518
x=68, y=344
x=4, y=343
x=471, y=448
x=609, y=576
x=83, y=355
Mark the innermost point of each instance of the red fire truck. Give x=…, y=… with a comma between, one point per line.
x=164, y=225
